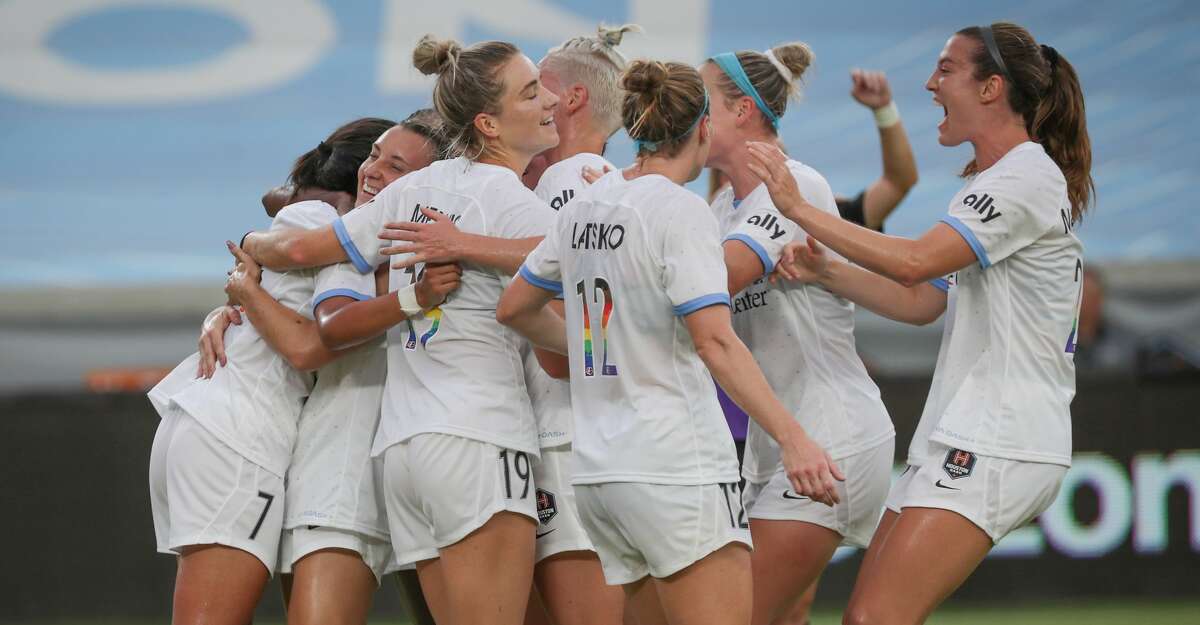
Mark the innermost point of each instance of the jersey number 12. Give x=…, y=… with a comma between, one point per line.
x=602, y=296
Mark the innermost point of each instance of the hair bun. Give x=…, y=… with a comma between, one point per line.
x=611, y=37
x=435, y=56
x=796, y=56
x=646, y=78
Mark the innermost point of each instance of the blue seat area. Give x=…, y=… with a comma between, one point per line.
x=102, y=185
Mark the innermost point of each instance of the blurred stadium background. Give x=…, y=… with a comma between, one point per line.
x=139, y=134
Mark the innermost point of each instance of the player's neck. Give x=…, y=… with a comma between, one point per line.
x=735, y=166
x=678, y=170
x=576, y=140
x=992, y=146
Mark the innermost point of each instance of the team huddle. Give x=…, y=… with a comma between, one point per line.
x=471, y=350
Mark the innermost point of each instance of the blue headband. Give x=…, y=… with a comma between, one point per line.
x=652, y=146
x=729, y=63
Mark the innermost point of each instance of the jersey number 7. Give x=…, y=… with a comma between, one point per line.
x=601, y=296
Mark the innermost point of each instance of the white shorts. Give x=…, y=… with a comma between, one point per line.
x=302, y=541
x=657, y=529
x=996, y=494
x=559, y=529
x=202, y=492
x=438, y=488
x=868, y=475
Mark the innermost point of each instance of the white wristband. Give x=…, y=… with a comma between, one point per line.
x=887, y=116
x=408, y=301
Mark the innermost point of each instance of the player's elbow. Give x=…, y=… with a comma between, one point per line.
x=509, y=312
x=294, y=253
x=308, y=357
x=713, y=347
x=910, y=272
x=903, y=181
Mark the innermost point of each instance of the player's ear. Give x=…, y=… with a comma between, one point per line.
x=575, y=98
x=742, y=110
x=487, y=125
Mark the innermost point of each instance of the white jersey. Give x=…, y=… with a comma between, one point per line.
x=1005, y=372
x=252, y=403
x=559, y=184
x=802, y=335
x=455, y=369
x=331, y=481
x=632, y=258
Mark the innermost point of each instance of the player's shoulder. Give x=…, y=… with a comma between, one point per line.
x=306, y=214
x=1026, y=162
x=1025, y=174
x=572, y=166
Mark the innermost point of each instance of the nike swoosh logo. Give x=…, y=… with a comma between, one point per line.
x=939, y=484
x=787, y=495
x=545, y=533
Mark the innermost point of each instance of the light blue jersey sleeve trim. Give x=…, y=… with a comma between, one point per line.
x=704, y=301
x=541, y=283
x=362, y=297
x=360, y=263
x=758, y=249
x=941, y=284
x=972, y=240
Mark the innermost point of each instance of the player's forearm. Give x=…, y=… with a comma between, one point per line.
x=734, y=368
x=542, y=327
x=504, y=255
x=289, y=333
x=285, y=249
x=899, y=163
x=359, y=322
x=893, y=257
x=917, y=305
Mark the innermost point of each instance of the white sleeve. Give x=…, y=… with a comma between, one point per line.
x=693, y=263
x=358, y=231
x=1007, y=212
x=542, y=268
x=343, y=280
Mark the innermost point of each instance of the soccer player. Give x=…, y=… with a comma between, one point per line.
x=335, y=537
x=584, y=73
x=221, y=452
x=994, y=440
x=803, y=336
x=637, y=258
x=457, y=431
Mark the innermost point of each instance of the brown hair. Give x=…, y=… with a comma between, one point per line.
x=663, y=104
x=333, y=164
x=429, y=124
x=595, y=63
x=1044, y=90
x=773, y=86
x=468, y=84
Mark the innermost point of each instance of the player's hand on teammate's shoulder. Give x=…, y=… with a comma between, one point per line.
x=769, y=163
x=801, y=262
x=870, y=89
x=436, y=240
x=591, y=175
x=436, y=283
x=809, y=468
